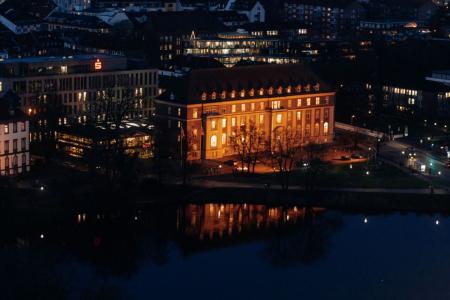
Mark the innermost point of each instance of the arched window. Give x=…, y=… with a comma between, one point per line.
x=251, y=92
x=223, y=95
x=203, y=96
x=325, y=128
x=233, y=94
x=298, y=88
x=261, y=91
x=213, y=95
x=288, y=89
x=270, y=91
x=242, y=93
x=213, y=141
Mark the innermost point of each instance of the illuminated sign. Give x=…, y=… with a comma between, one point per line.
x=98, y=65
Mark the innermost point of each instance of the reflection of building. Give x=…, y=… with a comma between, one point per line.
x=212, y=104
x=78, y=141
x=230, y=48
x=14, y=137
x=211, y=221
x=76, y=80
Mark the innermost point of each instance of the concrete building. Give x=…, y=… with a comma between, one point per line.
x=77, y=80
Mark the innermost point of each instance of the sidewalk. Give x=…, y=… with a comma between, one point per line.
x=206, y=183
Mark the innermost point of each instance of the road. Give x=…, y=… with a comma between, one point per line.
x=439, y=175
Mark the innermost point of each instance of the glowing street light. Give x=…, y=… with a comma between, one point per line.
x=41, y=236
x=436, y=222
x=366, y=221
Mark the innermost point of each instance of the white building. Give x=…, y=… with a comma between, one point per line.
x=14, y=137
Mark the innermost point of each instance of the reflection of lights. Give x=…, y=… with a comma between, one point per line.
x=365, y=220
x=351, y=166
x=287, y=218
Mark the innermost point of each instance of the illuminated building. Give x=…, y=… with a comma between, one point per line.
x=208, y=106
x=232, y=47
x=327, y=19
x=76, y=80
x=78, y=141
x=14, y=137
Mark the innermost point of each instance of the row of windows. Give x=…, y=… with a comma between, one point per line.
x=10, y=167
x=261, y=91
x=7, y=129
x=278, y=118
x=276, y=104
x=23, y=145
x=86, y=82
x=307, y=133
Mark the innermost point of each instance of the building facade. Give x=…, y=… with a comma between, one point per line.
x=75, y=81
x=209, y=106
x=14, y=138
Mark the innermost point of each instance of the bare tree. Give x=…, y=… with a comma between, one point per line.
x=249, y=143
x=285, y=145
x=108, y=113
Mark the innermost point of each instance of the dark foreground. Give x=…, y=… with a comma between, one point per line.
x=229, y=250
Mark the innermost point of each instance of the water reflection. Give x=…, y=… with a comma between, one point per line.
x=118, y=244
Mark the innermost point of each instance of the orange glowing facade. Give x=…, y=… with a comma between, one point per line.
x=210, y=105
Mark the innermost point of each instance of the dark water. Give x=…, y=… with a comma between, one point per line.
x=228, y=251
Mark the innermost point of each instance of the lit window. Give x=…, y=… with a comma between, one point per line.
x=224, y=138
x=288, y=89
x=224, y=123
x=261, y=105
x=242, y=93
x=195, y=113
x=194, y=132
x=325, y=128
x=213, y=96
x=6, y=130
x=213, y=124
x=261, y=119
x=317, y=100
x=204, y=96
x=279, y=90
x=261, y=92
x=299, y=116
x=233, y=122
x=243, y=107
x=279, y=118
x=298, y=88
x=252, y=106
x=213, y=141
x=179, y=112
x=233, y=108
x=276, y=104
x=233, y=94
x=252, y=92
x=270, y=91
x=1, y=86
x=299, y=102
x=308, y=101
